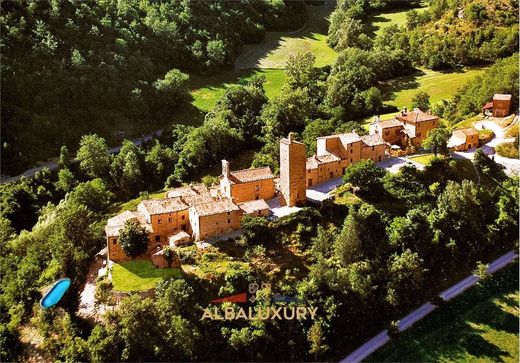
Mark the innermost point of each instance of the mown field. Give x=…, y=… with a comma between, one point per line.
x=479, y=326
x=139, y=275
x=377, y=22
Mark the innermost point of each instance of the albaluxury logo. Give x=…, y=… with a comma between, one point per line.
x=299, y=312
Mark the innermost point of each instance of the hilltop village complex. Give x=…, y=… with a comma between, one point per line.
x=197, y=212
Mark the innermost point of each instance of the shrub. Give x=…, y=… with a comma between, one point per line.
x=508, y=149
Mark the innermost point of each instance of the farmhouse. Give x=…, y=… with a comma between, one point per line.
x=464, y=139
x=248, y=184
x=408, y=129
x=500, y=106
x=336, y=152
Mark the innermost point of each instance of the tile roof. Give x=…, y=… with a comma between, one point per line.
x=253, y=206
x=327, y=158
x=470, y=131
x=346, y=138
x=372, y=140
x=389, y=123
x=215, y=207
x=117, y=222
x=178, y=238
x=501, y=97
x=488, y=105
x=188, y=190
x=191, y=200
x=312, y=163
x=250, y=175
x=457, y=138
x=415, y=116
x=162, y=206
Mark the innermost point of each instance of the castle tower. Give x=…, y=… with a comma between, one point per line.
x=292, y=171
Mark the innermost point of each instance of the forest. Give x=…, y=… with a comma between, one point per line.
x=114, y=67
x=363, y=264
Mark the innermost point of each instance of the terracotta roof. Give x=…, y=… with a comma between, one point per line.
x=117, y=222
x=215, y=207
x=253, y=206
x=178, y=238
x=162, y=206
x=346, y=138
x=188, y=190
x=372, y=140
x=389, y=123
x=191, y=200
x=457, y=138
x=415, y=116
x=501, y=97
x=488, y=105
x=250, y=175
x=470, y=131
x=327, y=158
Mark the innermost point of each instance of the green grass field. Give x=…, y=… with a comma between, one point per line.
x=377, y=22
x=423, y=159
x=275, y=49
x=139, y=275
x=481, y=325
x=439, y=85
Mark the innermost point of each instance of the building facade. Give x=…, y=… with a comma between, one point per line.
x=464, y=139
x=248, y=184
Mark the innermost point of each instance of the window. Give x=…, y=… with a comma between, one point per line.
x=418, y=134
x=372, y=148
x=310, y=182
x=157, y=238
x=169, y=220
x=182, y=217
x=257, y=197
x=351, y=151
x=350, y=159
x=308, y=171
x=229, y=221
x=114, y=241
x=257, y=187
x=259, y=212
x=216, y=223
x=159, y=221
x=228, y=213
x=387, y=132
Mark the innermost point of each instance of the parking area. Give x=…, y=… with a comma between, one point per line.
x=393, y=164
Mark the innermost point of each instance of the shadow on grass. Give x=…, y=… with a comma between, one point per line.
x=468, y=327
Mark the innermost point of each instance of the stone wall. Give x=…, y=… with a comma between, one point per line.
x=292, y=171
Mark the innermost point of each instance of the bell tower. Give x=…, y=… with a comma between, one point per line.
x=292, y=171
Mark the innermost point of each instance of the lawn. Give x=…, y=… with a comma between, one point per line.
x=377, y=22
x=139, y=275
x=275, y=49
x=481, y=325
x=205, y=92
x=423, y=159
x=439, y=85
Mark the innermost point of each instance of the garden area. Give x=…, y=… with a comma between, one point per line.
x=139, y=275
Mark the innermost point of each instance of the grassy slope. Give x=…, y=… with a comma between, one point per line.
x=423, y=159
x=139, y=275
x=276, y=48
x=377, y=22
x=481, y=325
x=439, y=85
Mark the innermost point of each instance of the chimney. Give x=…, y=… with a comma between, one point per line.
x=378, y=118
x=225, y=168
x=405, y=110
x=291, y=137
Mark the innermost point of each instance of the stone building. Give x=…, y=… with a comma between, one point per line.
x=336, y=152
x=292, y=171
x=501, y=105
x=214, y=218
x=247, y=184
x=416, y=124
x=464, y=139
x=390, y=130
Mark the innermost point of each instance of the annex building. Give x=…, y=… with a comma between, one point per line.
x=407, y=129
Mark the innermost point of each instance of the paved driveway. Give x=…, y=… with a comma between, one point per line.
x=394, y=164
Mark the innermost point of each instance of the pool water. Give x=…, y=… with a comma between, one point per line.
x=55, y=294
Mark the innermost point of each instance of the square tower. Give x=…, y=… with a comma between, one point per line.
x=292, y=171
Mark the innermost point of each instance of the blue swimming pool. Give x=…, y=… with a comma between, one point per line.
x=55, y=294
